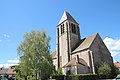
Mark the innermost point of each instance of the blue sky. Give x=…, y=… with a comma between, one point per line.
x=20, y=16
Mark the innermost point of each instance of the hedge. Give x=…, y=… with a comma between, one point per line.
x=58, y=77
x=76, y=77
x=82, y=77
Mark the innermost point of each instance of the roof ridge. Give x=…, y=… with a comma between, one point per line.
x=67, y=16
x=86, y=43
x=95, y=35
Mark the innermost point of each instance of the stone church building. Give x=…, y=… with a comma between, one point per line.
x=75, y=55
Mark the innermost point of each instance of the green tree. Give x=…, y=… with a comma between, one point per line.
x=115, y=71
x=59, y=71
x=104, y=71
x=34, y=54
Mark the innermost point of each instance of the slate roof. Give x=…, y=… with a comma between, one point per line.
x=67, y=16
x=85, y=43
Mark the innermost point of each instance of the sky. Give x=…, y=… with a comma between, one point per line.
x=20, y=16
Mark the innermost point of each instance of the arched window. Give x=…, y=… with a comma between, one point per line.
x=62, y=29
x=73, y=28
x=74, y=31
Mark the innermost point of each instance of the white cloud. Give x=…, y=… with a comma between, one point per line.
x=115, y=53
x=113, y=45
x=7, y=65
x=13, y=61
x=6, y=35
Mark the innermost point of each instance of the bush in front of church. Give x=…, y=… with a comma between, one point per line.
x=82, y=77
x=76, y=77
x=58, y=74
x=115, y=71
x=106, y=71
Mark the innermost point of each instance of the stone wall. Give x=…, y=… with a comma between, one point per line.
x=84, y=59
x=83, y=55
x=82, y=69
x=74, y=40
x=100, y=52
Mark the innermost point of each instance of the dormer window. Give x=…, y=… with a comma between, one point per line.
x=62, y=29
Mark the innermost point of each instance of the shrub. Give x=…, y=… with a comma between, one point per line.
x=82, y=77
x=59, y=71
x=58, y=77
x=104, y=71
x=30, y=78
x=115, y=71
x=76, y=77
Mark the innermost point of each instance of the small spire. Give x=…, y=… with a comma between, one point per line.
x=67, y=16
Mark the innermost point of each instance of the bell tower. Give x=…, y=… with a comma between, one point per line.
x=68, y=36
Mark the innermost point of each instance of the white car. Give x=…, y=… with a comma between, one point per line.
x=118, y=77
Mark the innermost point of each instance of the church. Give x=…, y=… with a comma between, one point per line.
x=75, y=55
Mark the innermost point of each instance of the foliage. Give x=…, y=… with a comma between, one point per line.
x=104, y=71
x=115, y=71
x=107, y=71
x=5, y=76
x=54, y=72
x=58, y=77
x=59, y=71
x=34, y=56
x=76, y=77
x=30, y=78
x=82, y=77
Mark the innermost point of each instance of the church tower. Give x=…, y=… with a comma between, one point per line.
x=68, y=36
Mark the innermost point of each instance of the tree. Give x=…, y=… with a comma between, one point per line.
x=59, y=71
x=34, y=54
x=115, y=71
x=104, y=71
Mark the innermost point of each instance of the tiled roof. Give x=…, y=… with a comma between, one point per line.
x=73, y=62
x=117, y=64
x=8, y=71
x=86, y=43
x=53, y=55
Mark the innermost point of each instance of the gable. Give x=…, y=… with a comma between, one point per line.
x=99, y=45
x=100, y=52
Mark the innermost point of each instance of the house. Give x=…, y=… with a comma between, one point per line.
x=7, y=71
x=117, y=64
x=76, y=55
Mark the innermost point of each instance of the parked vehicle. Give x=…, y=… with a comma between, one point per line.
x=118, y=77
